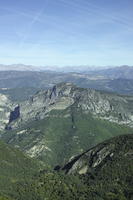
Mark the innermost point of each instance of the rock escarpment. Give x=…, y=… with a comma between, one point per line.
x=103, y=154
x=112, y=107
x=6, y=107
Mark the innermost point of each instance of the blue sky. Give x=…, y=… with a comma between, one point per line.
x=66, y=32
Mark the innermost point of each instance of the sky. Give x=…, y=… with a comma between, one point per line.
x=66, y=32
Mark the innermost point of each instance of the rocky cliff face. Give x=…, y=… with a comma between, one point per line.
x=100, y=156
x=108, y=106
x=6, y=107
x=59, y=123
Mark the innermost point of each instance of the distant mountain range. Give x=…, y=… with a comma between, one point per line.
x=119, y=80
x=123, y=72
x=19, y=67
x=79, y=69
x=22, y=67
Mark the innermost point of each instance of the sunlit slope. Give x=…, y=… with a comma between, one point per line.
x=62, y=135
x=109, y=179
x=14, y=166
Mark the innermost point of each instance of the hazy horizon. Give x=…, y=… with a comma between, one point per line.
x=69, y=68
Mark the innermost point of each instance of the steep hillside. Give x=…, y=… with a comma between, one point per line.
x=103, y=172
x=56, y=124
x=14, y=167
x=62, y=134
x=104, y=155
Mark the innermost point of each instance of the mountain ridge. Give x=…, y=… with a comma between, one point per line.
x=109, y=179
x=58, y=123
x=115, y=108
x=118, y=80
x=93, y=158
x=80, y=68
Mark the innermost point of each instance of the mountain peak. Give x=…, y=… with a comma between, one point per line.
x=107, y=106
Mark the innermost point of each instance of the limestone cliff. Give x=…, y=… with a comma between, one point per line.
x=112, y=107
